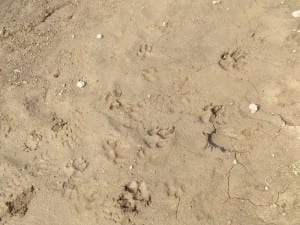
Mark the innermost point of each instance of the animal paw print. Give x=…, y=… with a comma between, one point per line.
x=134, y=197
x=232, y=59
x=70, y=186
x=144, y=50
x=113, y=99
x=80, y=164
x=33, y=141
x=42, y=166
x=150, y=74
x=65, y=132
x=214, y=114
x=13, y=181
x=115, y=150
x=159, y=137
x=18, y=205
x=109, y=211
x=87, y=199
x=175, y=189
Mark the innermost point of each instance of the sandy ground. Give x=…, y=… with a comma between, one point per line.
x=160, y=133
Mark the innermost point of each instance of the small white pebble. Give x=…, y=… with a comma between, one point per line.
x=99, y=36
x=253, y=108
x=81, y=84
x=165, y=23
x=294, y=50
x=148, y=96
x=131, y=167
x=215, y=2
x=273, y=155
x=282, y=2
x=266, y=188
x=296, y=14
x=234, y=162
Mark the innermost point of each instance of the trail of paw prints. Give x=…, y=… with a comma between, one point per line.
x=159, y=137
x=115, y=149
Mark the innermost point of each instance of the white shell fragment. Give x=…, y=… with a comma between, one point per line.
x=253, y=108
x=81, y=84
x=296, y=13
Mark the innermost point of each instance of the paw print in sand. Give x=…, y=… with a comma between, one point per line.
x=134, y=197
x=216, y=114
x=175, y=189
x=113, y=99
x=115, y=150
x=33, y=141
x=159, y=137
x=232, y=59
x=144, y=50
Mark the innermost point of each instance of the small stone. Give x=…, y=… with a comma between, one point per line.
x=81, y=84
x=253, y=108
x=296, y=14
x=266, y=188
x=99, y=36
x=216, y=2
